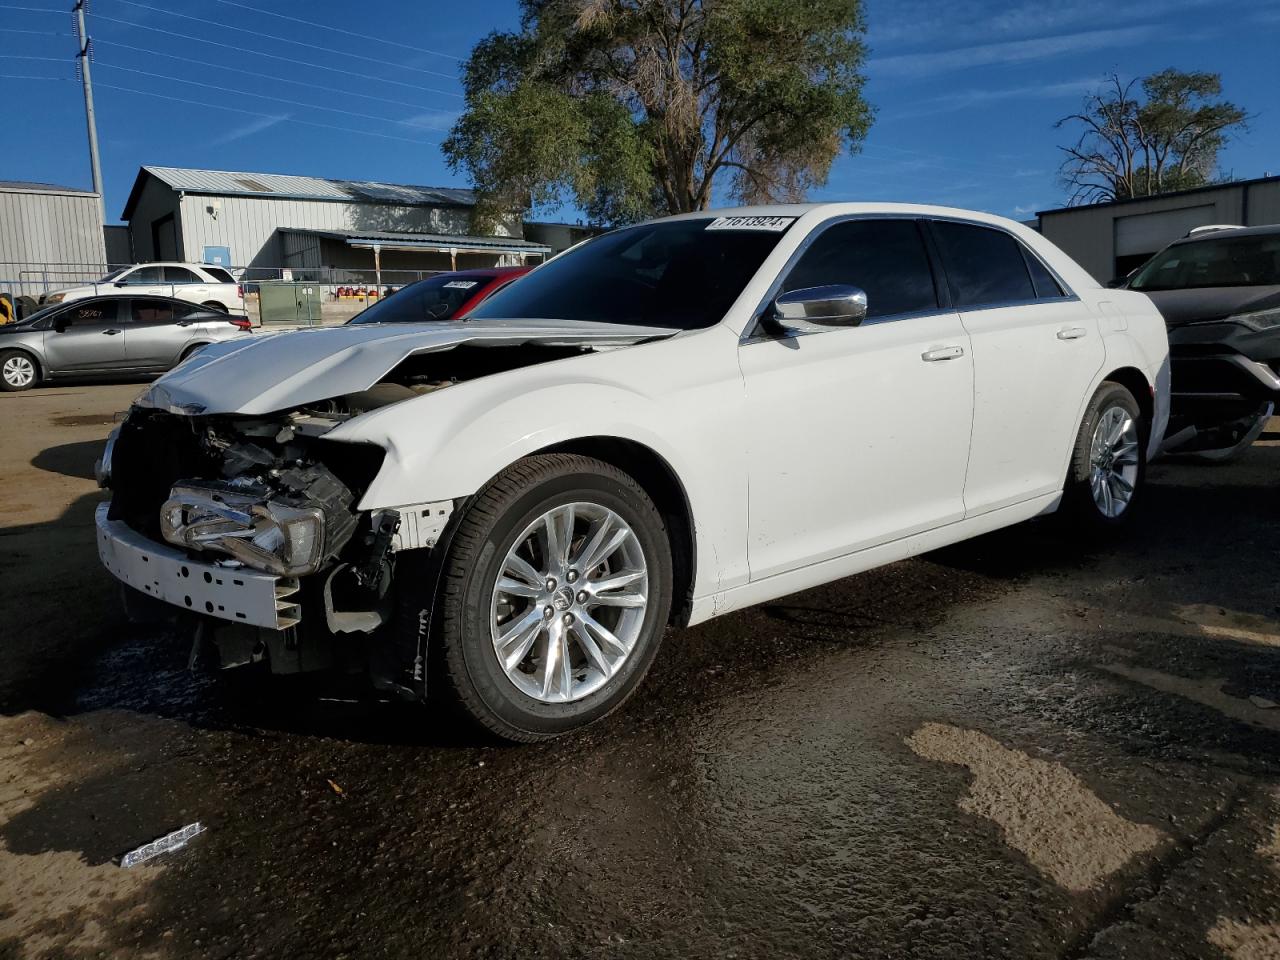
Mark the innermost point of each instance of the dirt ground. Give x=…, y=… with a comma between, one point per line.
x=1017, y=748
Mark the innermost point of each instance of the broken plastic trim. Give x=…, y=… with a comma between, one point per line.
x=170, y=841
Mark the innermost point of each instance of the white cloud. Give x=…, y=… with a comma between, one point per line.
x=249, y=129
x=432, y=120
x=925, y=22
x=1010, y=51
x=963, y=99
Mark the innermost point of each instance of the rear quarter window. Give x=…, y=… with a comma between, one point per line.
x=218, y=275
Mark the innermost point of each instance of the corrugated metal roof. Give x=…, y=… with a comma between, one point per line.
x=248, y=184
x=444, y=240
x=29, y=186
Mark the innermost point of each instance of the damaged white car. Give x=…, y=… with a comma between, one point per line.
x=666, y=423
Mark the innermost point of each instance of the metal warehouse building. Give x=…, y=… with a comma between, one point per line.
x=1111, y=239
x=49, y=236
x=266, y=220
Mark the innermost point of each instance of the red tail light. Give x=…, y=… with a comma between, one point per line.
x=242, y=324
x=240, y=290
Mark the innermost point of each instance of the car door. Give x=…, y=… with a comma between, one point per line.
x=144, y=280
x=160, y=330
x=857, y=435
x=1036, y=351
x=87, y=336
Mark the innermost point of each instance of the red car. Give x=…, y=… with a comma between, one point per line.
x=446, y=296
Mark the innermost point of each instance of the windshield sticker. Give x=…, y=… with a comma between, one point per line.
x=774, y=224
x=460, y=284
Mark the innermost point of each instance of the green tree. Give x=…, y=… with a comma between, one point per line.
x=630, y=108
x=1165, y=138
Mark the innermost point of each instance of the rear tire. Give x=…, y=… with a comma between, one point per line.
x=18, y=371
x=1108, y=463
x=578, y=628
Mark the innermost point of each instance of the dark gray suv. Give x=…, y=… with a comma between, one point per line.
x=107, y=336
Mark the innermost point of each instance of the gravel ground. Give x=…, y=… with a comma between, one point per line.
x=1016, y=747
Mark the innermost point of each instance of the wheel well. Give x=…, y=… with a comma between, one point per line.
x=188, y=351
x=657, y=478
x=215, y=304
x=1135, y=381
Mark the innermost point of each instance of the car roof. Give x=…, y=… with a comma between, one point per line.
x=484, y=272
x=177, y=301
x=1262, y=231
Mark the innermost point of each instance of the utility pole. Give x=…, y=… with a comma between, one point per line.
x=82, y=37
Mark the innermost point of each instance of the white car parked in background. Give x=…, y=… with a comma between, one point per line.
x=200, y=283
x=663, y=424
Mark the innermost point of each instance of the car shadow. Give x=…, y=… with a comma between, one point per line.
x=73, y=650
x=70, y=459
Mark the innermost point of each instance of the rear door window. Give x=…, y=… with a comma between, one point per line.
x=886, y=258
x=154, y=312
x=984, y=266
x=180, y=275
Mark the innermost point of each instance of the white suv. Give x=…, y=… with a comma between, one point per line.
x=200, y=283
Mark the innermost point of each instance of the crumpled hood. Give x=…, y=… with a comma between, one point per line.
x=261, y=374
x=1205, y=304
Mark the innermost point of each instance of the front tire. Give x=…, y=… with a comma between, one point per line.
x=1108, y=463
x=555, y=594
x=18, y=371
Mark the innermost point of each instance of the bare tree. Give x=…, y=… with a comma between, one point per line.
x=1136, y=144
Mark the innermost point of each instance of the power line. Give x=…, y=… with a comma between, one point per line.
x=24, y=76
x=300, y=43
x=246, y=93
x=269, y=76
x=345, y=32
x=16, y=56
x=269, y=56
x=255, y=113
x=35, y=33
x=11, y=6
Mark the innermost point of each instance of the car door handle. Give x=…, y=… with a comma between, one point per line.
x=942, y=353
x=1072, y=333
x=110, y=333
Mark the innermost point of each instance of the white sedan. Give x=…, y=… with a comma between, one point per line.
x=666, y=423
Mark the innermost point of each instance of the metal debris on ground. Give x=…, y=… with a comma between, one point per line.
x=336, y=789
x=170, y=841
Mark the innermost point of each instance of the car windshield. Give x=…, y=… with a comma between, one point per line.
x=113, y=274
x=436, y=298
x=676, y=273
x=1249, y=261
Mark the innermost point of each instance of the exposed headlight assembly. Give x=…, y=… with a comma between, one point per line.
x=264, y=534
x=1258, y=319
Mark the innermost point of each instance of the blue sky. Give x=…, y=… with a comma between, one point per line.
x=966, y=91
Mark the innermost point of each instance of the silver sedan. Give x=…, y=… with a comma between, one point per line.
x=108, y=336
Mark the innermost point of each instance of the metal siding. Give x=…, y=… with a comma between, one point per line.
x=49, y=229
x=248, y=225
x=1264, y=204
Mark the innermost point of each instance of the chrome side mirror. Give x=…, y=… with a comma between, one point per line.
x=813, y=309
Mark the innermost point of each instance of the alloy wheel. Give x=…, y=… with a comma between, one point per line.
x=569, y=602
x=1113, y=459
